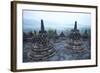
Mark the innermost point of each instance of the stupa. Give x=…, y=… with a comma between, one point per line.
x=42, y=49
x=75, y=41
x=86, y=35
x=62, y=34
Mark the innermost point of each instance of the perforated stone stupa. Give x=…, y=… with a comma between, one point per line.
x=75, y=41
x=42, y=49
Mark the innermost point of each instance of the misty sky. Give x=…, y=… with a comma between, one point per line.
x=54, y=20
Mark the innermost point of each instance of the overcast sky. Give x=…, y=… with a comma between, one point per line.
x=54, y=20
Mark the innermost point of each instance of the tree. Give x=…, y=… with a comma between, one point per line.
x=51, y=33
